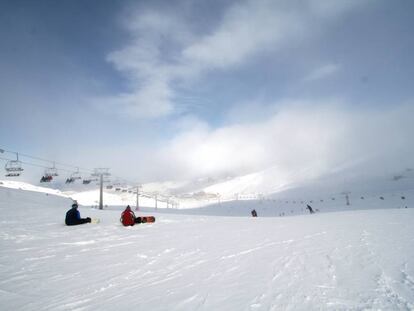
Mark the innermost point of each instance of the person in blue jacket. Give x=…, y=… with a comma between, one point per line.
x=73, y=217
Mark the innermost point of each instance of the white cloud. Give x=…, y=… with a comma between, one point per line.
x=145, y=64
x=152, y=101
x=303, y=136
x=333, y=9
x=300, y=138
x=246, y=29
x=164, y=50
x=322, y=72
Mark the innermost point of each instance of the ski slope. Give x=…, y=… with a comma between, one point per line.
x=347, y=260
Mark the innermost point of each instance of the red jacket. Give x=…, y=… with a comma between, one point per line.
x=128, y=217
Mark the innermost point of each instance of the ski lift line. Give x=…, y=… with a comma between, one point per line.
x=57, y=166
x=39, y=165
x=46, y=160
x=6, y=159
x=46, y=167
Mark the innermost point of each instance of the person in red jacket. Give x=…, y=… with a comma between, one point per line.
x=128, y=217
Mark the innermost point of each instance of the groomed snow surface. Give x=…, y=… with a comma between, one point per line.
x=347, y=260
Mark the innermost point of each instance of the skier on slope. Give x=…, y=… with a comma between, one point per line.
x=254, y=213
x=309, y=208
x=73, y=217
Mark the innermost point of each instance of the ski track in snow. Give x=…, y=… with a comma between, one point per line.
x=360, y=260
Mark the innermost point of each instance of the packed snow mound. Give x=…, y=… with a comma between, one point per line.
x=355, y=260
x=15, y=198
x=26, y=186
x=91, y=196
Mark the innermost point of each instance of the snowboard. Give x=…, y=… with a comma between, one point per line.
x=145, y=219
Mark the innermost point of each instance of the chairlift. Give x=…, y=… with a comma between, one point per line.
x=117, y=189
x=76, y=175
x=51, y=171
x=12, y=174
x=13, y=167
x=86, y=181
x=46, y=178
x=70, y=180
x=73, y=177
x=109, y=187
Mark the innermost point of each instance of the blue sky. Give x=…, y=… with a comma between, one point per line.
x=181, y=89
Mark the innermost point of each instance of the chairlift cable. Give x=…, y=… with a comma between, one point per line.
x=46, y=160
x=57, y=165
x=37, y=165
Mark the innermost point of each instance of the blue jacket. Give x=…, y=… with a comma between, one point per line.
x=73, y=217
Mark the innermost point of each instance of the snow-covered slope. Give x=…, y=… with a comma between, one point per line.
x=268, y=183
x=259, y=186
x=276, y=207
x=112, y=198
x=14, y=184
x=353, y=260
x=89, y=195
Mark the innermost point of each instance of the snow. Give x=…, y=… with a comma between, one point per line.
x=26, y=186
x=347, y=260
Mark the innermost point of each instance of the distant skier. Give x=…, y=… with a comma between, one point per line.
x=254, y=213
x=310, y=209
x=73, y=217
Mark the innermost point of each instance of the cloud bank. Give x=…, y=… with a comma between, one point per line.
x=164, y=52
x=303, y=139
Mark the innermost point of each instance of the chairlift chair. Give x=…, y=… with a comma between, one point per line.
x=76, y=175
x=51, y=171
x=46, y=178
x=15, y=174
x=13, y=167
x=70, y=180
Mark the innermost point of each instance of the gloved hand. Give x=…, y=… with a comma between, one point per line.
x=88, y=219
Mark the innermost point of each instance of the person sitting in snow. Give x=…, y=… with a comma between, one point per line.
x=73, y=217
x=254, y=213
x=128, y=217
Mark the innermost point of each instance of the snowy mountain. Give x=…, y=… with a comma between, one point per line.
x=259, y=186
x=347, y=260
x=297, y=186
